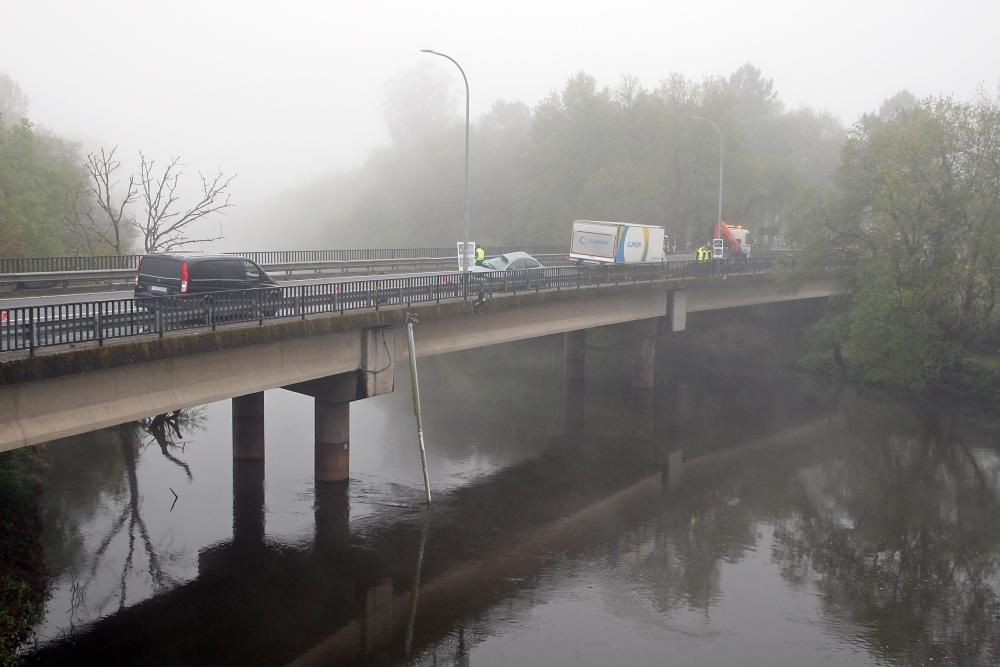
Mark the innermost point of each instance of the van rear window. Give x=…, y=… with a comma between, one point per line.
x=161, y=267
x=215, y=269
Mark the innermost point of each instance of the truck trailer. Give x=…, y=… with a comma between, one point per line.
x=599, y=242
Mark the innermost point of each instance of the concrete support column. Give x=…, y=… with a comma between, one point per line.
x=645, y=412
x=332, y=514
x=574, y=396
x=333, y=437
x=644, y=366
x=574, y=362
x=677, y=310
x=248, y=502
x=674, y=469
x=248, y=426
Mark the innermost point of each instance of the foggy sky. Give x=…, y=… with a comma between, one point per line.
x=283, y=92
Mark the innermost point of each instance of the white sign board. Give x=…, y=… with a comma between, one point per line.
x=718, y=246
x=466, y=255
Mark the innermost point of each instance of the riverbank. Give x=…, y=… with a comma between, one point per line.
x=23, y=580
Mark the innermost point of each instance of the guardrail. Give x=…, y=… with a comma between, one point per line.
x=22, y=265
x=33, y=327
x=62, y=272
x=112, y=277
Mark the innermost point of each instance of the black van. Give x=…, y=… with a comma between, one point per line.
x=181, y=274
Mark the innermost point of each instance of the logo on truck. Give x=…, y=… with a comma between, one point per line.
x=584, y=239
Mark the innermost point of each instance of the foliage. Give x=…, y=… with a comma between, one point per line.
x=43, y=195
x=916, y=204
x=587, y=151
x=39, y=174
x=53, y=202
x=22, y=576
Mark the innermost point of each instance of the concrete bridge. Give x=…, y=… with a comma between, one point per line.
x=340, y=358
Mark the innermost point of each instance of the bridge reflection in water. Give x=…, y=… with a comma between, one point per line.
x=350, y=591
x=865, y=529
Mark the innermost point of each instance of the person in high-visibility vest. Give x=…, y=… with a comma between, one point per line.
x=480, y=255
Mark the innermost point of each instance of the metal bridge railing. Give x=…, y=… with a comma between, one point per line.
x=22, y=265
x=32, y=327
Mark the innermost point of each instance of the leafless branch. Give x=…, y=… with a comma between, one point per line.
x=111, y=226
x=165, y=226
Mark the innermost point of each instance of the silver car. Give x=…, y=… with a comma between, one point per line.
x=525, y=272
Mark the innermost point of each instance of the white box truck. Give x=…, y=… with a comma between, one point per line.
x=597, y=242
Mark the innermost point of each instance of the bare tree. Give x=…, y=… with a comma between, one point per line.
x=165, y=226
x=75, y=221
x=112, y=227
x=167, y=431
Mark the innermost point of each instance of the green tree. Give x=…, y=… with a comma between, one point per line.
x=621, y=152
x=917, y=205
x=43, y=197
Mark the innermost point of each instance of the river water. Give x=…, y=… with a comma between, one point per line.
x=738, y=515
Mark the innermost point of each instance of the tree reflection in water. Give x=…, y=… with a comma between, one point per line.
x=894, y=522
x=167, y=431
x=901, y=536
x=128, y=441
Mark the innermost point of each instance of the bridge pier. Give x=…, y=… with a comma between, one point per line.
x=672, y=471
x=644, y=364
x=333, y=395
x=332, y=514
x=574, y=366
x=677, y=310
x=574, y=396
x=575, y=357
x=248, y=502
x=644, y=401
x=248, y=427
x=333, y=440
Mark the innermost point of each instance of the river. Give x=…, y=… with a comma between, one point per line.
x=738, y=515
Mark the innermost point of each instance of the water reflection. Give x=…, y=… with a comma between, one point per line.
x=571, y=526
x=900, y=534
x=95, y=531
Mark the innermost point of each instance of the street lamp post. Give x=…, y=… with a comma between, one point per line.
x=465, y=264
x=721, y=152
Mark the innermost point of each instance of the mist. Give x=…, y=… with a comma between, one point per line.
x=305, y=103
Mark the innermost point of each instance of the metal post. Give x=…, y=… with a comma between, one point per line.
x=410, y=319
x=416, y=587
x=721, y=151
x=32, y=332
x=98, y=327
x=465, y=265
